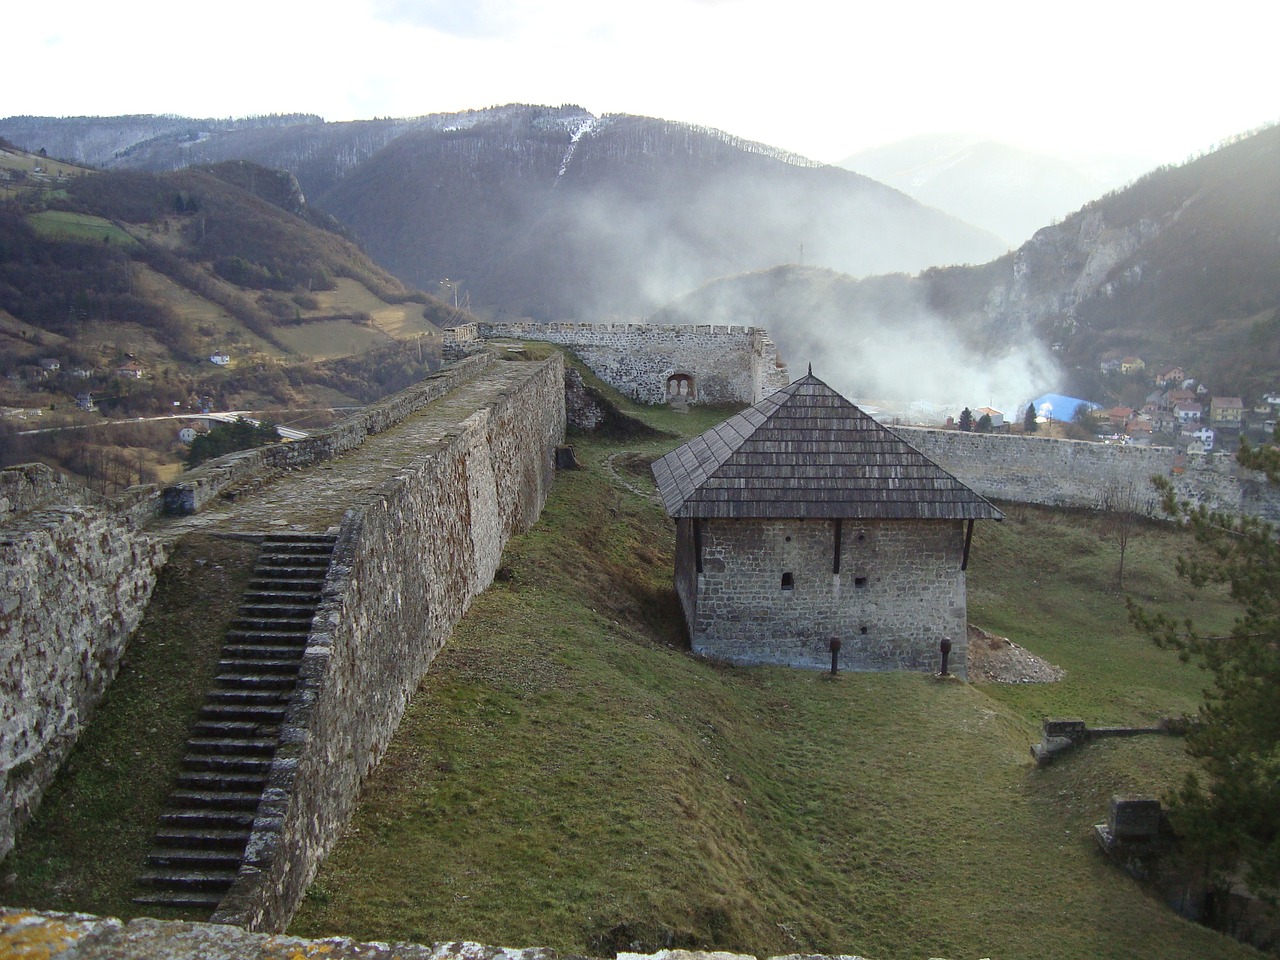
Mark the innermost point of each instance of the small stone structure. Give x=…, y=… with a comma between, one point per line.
x=1059, y=736
x=652, y=363
x=802, y=519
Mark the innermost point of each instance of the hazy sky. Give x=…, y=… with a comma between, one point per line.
x=818, y=77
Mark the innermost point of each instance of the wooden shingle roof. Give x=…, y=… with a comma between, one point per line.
x=805, y=452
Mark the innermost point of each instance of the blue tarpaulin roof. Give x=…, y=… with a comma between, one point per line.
x=1060, y=407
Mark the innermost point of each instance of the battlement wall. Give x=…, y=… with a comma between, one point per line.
x=1076, y=473
x=197, y=487
x=718, y=363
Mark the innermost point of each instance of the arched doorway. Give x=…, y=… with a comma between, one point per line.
x=680, y=386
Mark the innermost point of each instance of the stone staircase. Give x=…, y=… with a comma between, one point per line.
x=203, y=832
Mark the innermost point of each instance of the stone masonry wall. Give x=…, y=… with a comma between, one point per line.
x=728, y=364
x=78, y=936
x=1075, y=473
x=404, y=572
x=197, y=487
x=30, y=485
x=900, y=590
x=76, y=581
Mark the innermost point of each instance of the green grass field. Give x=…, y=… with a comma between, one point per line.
x=78, y=226
x=568, y=775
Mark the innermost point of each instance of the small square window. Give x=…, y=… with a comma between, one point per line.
x=859, y=582
x=788, y=582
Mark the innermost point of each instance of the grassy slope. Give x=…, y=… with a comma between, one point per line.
x=569, y=776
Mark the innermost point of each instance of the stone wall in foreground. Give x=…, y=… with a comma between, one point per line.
x=75, y=578
x=64, y=936
x=405, y=570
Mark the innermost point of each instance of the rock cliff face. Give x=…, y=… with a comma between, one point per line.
x=1177, y=268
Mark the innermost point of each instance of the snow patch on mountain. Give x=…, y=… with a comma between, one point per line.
x=584, y=128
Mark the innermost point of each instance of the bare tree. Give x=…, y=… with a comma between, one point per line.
x=1124, y=503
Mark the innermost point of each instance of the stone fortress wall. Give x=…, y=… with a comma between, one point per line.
x=1079, y=473
x=716, y=363
x=79, y=570
x=77, y=575
x=405, y=570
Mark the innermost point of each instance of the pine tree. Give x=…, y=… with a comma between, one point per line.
x=966, y=420
x=1228, y=812
x=1029, y=424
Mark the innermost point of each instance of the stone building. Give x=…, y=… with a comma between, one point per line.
x=802, y=519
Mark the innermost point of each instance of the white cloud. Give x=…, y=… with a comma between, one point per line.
x=809, y=76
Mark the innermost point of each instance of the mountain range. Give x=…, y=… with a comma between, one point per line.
x=1178, y=268
x=551, y=212
x=554, y=213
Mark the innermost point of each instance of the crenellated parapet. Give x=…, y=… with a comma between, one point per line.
x=655, y=363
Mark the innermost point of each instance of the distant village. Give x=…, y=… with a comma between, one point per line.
x=1179, y=411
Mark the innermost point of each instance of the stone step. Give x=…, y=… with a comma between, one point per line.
x=185, y=858
x=282, y=545
x=232, y=729
x=247, y=680
x=287, y=589
x=207, y=819
x=286, y=568
x=274, y=624
x=258, y=712
x=265, y=698
x=299, y=559
x=283, y=638
x=244, y=665
x=276, y=611
x=222, y=780
x=180, y=898
x=183, y=878
x=207, y=838
x=265, y=651
x=236, y=746
x=227, y=763
x=215, y=800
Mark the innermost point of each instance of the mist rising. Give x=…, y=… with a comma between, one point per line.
x=876, y=341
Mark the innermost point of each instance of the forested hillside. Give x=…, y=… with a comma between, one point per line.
x=136, y=294
x=1179, y=269
x=554, y=213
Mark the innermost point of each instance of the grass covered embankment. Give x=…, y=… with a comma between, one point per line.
x=570, y=776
